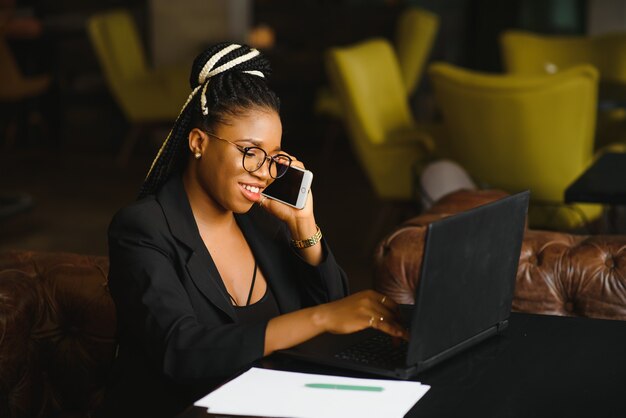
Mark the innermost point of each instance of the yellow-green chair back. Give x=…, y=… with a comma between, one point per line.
x=142, y=94
x=415, y=34
x=382, y=131
x=116, y=38
x=517, y=132
x=530, y=53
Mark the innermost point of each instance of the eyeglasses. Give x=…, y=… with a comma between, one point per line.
x=255, y=157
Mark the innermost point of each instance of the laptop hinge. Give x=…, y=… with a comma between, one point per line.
x=437, y=358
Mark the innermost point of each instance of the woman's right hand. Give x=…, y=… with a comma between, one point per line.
x=359, y=311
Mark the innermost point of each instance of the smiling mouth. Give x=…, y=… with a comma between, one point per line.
x=251, y=189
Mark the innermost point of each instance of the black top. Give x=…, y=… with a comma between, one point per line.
x=178, y=333
x=263, y=310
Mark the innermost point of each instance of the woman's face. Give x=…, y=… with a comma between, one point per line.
x=220, y=172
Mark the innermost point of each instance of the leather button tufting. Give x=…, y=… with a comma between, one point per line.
x=569, y=307
x=609, y=262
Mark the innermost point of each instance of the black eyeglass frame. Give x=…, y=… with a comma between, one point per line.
x=271, y=159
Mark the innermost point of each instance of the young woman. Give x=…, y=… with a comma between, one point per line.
x=207, y=275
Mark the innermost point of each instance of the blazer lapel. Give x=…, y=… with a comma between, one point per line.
x=207, y=279
x=199, y=264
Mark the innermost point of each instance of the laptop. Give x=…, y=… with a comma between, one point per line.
x=464, y=296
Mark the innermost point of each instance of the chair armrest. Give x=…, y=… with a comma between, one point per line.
x=410, y=137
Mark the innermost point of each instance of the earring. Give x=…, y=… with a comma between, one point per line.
x=198, y=154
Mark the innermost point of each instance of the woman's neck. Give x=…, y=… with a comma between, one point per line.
x=206, y=210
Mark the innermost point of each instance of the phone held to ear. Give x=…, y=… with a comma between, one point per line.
x=292, y=188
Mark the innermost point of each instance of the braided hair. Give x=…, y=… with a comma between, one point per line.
x=226, y=80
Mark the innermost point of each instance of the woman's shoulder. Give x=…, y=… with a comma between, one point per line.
x=143, y=216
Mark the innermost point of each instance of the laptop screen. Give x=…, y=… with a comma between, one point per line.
x=468, y=275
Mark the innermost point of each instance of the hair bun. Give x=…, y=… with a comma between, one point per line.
x=227, y=57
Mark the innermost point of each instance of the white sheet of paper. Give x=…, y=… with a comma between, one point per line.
x=263, y=392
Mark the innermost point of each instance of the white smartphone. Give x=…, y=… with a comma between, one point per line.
x=292, y=188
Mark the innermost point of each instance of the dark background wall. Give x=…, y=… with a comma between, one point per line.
x=304, y=29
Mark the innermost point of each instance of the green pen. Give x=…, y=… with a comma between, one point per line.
x=344, y=387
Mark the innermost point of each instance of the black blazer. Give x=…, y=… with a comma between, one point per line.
x=178, y=332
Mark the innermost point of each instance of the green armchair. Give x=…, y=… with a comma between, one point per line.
x=384, y=136
x=415, y=34
x=533, y=54
x=516, y=132
x=145, y=96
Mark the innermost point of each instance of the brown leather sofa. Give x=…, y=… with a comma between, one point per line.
x=558, y=274
x=57, y=327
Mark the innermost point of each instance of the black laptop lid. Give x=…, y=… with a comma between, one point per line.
x=468, y=275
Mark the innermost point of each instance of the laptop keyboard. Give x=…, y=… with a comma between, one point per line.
x=378, y=350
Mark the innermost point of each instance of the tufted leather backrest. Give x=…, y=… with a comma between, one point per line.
x=57, y=328
x=558, y=273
